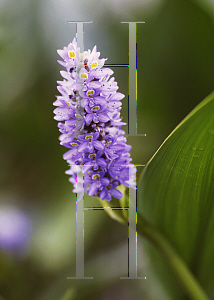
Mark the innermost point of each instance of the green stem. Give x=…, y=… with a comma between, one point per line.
x=186, y=278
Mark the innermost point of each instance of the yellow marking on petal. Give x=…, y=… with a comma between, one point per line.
x=89, y=137
x=78, y=116
x=74, y=144
x=95, y=108
x=82, y=76
x=71, y=54
x=90, y=92
x=109, y=143
x=95, y=176
x=91, y=155
x=94, y=64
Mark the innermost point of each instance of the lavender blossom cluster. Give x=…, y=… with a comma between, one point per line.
x=89, y=114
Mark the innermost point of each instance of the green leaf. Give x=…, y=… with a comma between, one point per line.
x=176, y=196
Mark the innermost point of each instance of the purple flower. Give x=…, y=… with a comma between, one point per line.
x=15, y=229
x=90, y=124
x=96, y=113
x=94, y=159
x=89, y=142
x=98, y=181
x=109, y=191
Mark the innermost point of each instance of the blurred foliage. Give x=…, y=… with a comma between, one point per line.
x=175, y=71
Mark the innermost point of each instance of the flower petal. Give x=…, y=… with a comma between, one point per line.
x=69, y=154
x=117, y=96
x=101, y=162
x=98, y=145
x=88, y=118
x=116, y=194
x=83, y=146
x=92, y=189
x=105, y=181
x=95, y=136
x=103, y=194
x=103, y=117
x=117, y=147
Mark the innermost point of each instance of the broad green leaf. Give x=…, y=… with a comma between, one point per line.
x=176, y=196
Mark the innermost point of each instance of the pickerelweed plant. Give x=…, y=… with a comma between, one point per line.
x=89, y=114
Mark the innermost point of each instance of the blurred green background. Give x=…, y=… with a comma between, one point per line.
x=175, y=73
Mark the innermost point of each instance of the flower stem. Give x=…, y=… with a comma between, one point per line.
x=188, y=281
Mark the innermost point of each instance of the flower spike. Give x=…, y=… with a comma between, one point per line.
x=88, y=112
